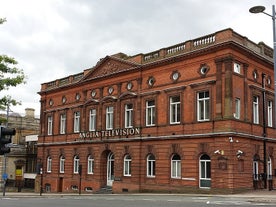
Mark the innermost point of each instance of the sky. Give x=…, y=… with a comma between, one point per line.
x=52, y=39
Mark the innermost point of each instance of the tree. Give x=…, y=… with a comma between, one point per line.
x=2, y=20
x=5, y=104
x=10, y=76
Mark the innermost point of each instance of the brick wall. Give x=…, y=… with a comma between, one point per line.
x=108, y=84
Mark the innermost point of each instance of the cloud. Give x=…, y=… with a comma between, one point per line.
x=52, y=39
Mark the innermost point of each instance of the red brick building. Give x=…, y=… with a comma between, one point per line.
x=194, y=116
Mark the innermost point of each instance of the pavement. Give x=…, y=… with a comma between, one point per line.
x=262, y=195
x=258, y=196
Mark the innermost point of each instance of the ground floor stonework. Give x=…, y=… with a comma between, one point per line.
x=160, y=164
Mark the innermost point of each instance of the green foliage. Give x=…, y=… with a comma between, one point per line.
x=10, y=76
x=8, y=101
x=3, y=120
x=2, y=20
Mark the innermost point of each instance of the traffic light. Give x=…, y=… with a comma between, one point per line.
x=5, y=138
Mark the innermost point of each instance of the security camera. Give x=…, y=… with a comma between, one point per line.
x=217, y=152
x=239, y=153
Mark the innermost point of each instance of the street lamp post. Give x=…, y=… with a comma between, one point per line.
x=255, y=10
x=264, y=132
x=39, y=170
x=261, y=9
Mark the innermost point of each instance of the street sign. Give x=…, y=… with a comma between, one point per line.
x=5, y=176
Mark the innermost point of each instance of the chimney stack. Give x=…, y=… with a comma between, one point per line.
x=29, y=113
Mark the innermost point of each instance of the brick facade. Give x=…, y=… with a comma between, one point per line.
x=195, y=139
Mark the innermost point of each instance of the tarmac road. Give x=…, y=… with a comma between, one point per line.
x=260, y=198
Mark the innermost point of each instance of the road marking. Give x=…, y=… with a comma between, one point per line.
x=14, y=199
x=200, y=198
x=148, y=199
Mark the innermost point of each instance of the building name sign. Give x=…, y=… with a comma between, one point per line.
x=109, y=133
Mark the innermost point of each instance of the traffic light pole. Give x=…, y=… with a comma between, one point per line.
x=5, y=138
x=4, y=177
x=5, y=159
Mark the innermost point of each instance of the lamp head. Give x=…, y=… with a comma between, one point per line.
x=257, y=9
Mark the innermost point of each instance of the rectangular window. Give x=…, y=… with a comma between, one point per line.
x=127, y=165
x=62, y=123
x=77, y=121
x=203, y=106
x=109, y=117
x=255, y=170
x=61, y=164
x=255, y=109
x=175, y=167
x=90, y=165
x=205, y=170
x=151, y=166
x=237, y=108
x=150, y=113
x=269, y=169
x=128, y=116
x=49, y=164
x=92, y=120
x=50, y=125
x=175, y=110
x=76, y=164
x=269, y=114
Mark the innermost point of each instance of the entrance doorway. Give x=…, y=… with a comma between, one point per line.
x=60, y=185
x=205, y=171
x=110, y=169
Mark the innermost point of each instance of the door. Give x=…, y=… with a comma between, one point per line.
x=205, y=171
x=60, y=185
x=110, y=169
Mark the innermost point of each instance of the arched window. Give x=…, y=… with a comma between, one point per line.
x=205, y=171
x=90, y=164
x=127, y=165
x=76, y=164
x=49, y=164
x=110, y=169
x=175, y=166
x=150, y=165
x=61, y=164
